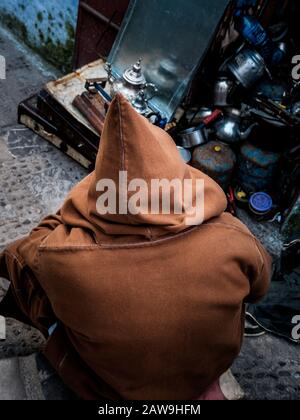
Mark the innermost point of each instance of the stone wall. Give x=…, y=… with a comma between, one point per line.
x=47, y=26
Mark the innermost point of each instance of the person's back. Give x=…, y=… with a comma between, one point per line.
x=153, y=306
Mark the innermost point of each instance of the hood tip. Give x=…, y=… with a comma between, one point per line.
x=120, y=98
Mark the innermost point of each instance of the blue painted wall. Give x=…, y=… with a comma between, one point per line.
x=48, y=26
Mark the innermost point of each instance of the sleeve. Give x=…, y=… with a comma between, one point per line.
x=260, y=281
x=24, y=251
x=26, y=299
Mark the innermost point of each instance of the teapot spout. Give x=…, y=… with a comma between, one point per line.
x=246, y=133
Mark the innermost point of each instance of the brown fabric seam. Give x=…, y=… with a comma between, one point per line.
x=123, y=150
x=43, y=248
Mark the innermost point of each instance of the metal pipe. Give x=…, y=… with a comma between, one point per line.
x=99, y=16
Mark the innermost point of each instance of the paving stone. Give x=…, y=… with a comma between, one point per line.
x=25, y=74
x=268, y=368
x=11, y=386
x=35, y=178
x=21, y=340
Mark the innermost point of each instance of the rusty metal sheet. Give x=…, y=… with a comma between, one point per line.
x=97, y=27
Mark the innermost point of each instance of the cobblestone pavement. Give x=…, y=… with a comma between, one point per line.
x=34, y=179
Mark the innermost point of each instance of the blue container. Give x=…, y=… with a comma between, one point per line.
x=254, y=33
x=260, y=203
x=257, y=168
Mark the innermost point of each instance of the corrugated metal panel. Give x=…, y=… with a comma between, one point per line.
x=97, y=27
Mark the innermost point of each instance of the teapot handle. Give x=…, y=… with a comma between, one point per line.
x=153, y=87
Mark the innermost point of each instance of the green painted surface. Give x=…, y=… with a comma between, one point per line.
x=48, y=27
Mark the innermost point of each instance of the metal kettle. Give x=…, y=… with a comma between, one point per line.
x=223, y=91
x=131, y=83
x=228, y=129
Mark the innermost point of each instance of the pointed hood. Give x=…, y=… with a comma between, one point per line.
x=130, y=144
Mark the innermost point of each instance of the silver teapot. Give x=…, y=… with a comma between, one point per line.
x=248, y=67
x=131, y=83
x=140, y=103
x=223, y=90
x=228, y=129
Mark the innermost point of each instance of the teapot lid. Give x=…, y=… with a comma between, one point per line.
x=133, y=75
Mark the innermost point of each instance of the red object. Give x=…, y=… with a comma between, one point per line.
x=231, y=201
x=211, y=118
